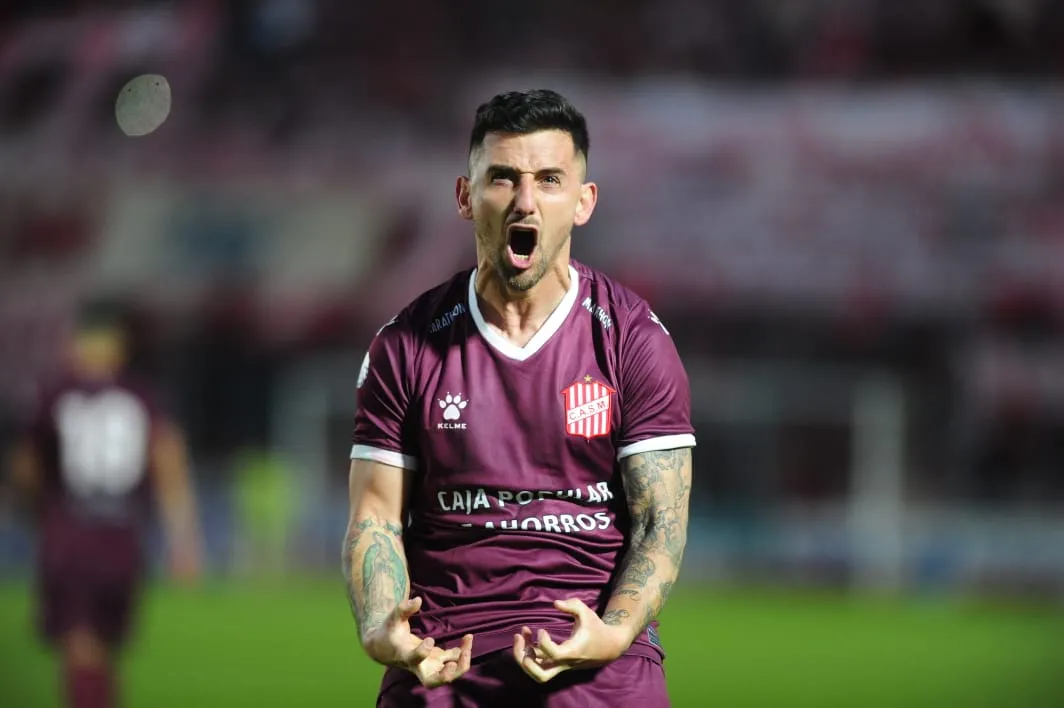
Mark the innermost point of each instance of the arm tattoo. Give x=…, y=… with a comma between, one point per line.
x=615, y=617
x=658, y=488
x=638, y=570
x=382, y=581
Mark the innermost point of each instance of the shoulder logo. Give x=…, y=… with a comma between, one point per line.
x=447, y=318
x=452, y=411
x=654, y=319
x=598, y=313
x=588, y=408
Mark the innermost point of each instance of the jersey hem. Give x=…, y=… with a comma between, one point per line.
x=500, y=640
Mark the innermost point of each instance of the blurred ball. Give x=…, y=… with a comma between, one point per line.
x=143, y=104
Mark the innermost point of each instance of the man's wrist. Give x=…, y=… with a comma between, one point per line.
x=624, y=628
x=369, y=634
x=376, y=647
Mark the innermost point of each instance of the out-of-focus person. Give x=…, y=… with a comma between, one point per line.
x=96, y=450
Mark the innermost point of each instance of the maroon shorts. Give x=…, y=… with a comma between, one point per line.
x=497, y=680
x=88, y=577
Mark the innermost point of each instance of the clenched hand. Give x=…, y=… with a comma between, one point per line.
x=592, y=643
x=393, y=644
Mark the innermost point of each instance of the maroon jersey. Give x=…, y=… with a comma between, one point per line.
x=518, y=500
x=93, y=439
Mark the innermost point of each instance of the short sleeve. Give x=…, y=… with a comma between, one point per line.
x=655, y=392
x=383, y=401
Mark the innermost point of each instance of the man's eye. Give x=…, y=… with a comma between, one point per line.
x=552, y=179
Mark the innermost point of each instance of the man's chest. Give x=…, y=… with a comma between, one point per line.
x=550, y=421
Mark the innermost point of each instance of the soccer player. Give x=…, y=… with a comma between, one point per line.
x=521, y=466
x=95, y=451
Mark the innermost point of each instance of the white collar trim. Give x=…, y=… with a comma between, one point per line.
x=553, y=323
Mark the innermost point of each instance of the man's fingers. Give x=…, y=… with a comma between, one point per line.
x=533, y=669
x=407, y=608
x=572, y=606
x=532, y=659
x=420, y=652
x=541, y=672
x=449, y=672
x=454, y=654
x=556, y=652
x=448, y=664
x=520, y=647
x=437, y=677
x=456, y=660
x=465, y=655
x=524, y=647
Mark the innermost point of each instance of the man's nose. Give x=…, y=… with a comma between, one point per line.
x=525, y=195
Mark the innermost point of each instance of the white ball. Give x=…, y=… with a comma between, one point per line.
x=143, y=104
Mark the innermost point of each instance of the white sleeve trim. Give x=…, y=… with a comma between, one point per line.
x=387, y=457
x=663, y=442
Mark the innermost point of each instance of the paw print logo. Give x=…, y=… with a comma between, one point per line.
x=453, y=406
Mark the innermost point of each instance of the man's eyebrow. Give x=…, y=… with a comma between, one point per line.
x=497, y=169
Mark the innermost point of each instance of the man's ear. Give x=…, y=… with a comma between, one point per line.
x=464, y=197
x=586, y=205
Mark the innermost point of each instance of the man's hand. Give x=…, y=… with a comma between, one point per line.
x=592, y=643
x=393, y=644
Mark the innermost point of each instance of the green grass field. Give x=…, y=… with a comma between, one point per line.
x=293, y=645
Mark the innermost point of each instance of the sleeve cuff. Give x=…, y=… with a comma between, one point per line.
x=663, y=442
x=386, y=457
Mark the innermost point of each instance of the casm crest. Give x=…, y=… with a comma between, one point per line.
x=588, y=408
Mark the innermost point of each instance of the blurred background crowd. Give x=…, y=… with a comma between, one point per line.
x=850, y=214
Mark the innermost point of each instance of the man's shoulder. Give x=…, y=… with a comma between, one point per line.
x=434, y=309
x=606, y=293
x=65, y=383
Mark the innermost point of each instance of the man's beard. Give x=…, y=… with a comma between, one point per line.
x=518, y=280
x=522, y=280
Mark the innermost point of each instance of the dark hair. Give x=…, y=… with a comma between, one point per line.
x=523, y=112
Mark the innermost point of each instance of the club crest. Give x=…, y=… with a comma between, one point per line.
x=588, y=408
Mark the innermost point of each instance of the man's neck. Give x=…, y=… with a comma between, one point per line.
x=518, y=315
x=95, y=370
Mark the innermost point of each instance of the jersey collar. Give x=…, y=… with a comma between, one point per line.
x=553, y=323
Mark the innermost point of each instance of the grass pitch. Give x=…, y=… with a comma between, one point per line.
x=293, y=644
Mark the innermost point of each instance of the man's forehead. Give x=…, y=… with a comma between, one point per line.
x=528, y=149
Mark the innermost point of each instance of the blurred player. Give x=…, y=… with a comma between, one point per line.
x=96, y=450
x=521, y=465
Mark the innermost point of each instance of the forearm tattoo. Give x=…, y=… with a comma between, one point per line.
x=381, y=583
x=658, y=489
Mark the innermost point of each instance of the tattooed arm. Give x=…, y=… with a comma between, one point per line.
x=378, y=582
x=658, y=489
x=374, y=561
x=658, y=486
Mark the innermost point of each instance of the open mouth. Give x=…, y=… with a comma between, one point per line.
x=522, y=245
